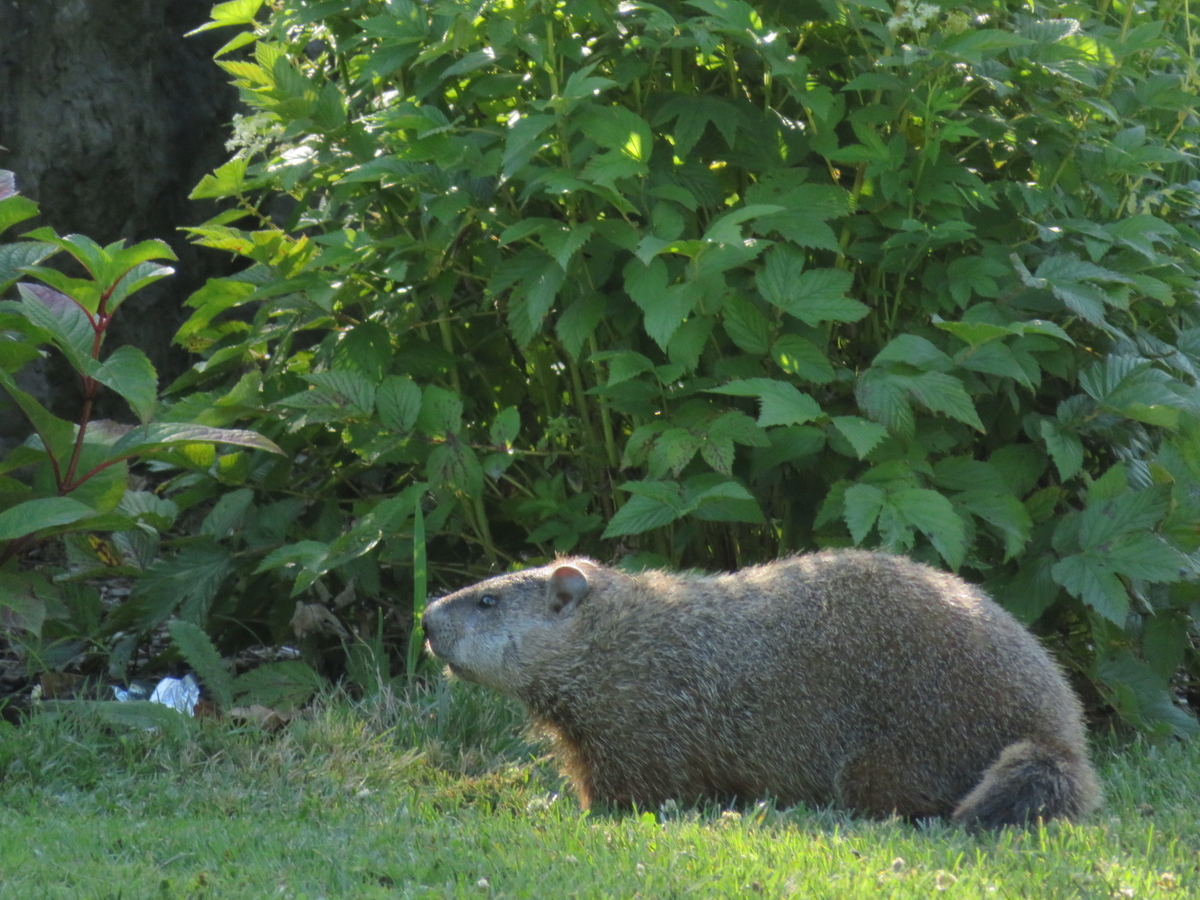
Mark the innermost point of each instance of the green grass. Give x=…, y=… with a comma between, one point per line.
x=440, y=796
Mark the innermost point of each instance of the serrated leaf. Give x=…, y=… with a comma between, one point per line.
x=279, y=685
x=1003, y=511
x=1064, y=447
x=745, y=325
x=1147, y=557
x=506, y=426
x=203, y=657
x=863, y=435
x=638, y=515
x=441, y=411
x=183, y=585
x=862, y=504
x=939, y=392
x=347, y=389
x=398, y=402
x=532, y=299
x=1141, y=695
x=144, y=438
x=579, y=320
x=781, y=403
x=801, y=357
x=366, y=348
x=1136, y=512
x=727, y=228
x=975, y=333
x=618, y=128
x=933, y=514
x=913, y=350
x=995, y=359
x=1088, y=578
x=883, y=396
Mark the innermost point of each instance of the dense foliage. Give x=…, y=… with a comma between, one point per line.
x=701, y=283
x=71, y=479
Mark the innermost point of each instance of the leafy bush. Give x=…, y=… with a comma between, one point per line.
x=73, y=477
x=699, y=283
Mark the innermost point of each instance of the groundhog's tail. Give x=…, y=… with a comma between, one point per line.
x=1030, y=781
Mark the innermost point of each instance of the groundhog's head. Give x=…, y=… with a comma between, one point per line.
x=493, y=632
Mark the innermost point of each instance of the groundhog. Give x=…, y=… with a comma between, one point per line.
x=851, y=678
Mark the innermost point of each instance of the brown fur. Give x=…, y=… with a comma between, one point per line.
x=846, y=677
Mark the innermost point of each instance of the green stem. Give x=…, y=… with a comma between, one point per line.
x=610, y=445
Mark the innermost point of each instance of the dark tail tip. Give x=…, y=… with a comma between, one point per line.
x=1027, y=782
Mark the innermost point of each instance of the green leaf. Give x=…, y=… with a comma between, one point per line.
x=934, y=515
x=665, y=307
x=233, y=12
x=227, y=515
x=506, y=426
x=66, y=323
x=454, y=464
x=977, y=44
x=1003, y=511
x=745, y=325
x=365, y=348
x=1140, y=694
x=185, y=584
x=863, y=435
x=944, y=393
x=441, y=412
x=1092, y=581
x=227, y=181
x=640, y=514
x=25, y=599
x=862, y=504
x=202, y=656
x=14, y=209
x=913, y=350
x=32, y=516
x=142, y=439
x=618, y=128
x=883, y=396
x=398, y=401
x=57, y=435
x=819, y=296
x=727, y=228
x=1165, y=642
x=801, y=357
x=1136, y=512
x=129, y=372
x=995, y=359
x=532, y=299
x=579, y=320
x=278, y=685
x=1064, y=447
x=782, y=403
x=21, y=255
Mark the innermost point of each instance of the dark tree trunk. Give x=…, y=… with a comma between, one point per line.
x=109, y=117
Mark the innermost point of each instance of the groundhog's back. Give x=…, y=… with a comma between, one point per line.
x=841, y=676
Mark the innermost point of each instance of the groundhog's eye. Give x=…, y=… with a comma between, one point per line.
x=487, y=601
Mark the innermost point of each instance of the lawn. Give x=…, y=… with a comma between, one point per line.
x=440, y=796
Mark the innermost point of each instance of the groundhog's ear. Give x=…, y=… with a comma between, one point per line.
x=567, y=587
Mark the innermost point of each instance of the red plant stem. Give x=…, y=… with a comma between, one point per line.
x=91, y=387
